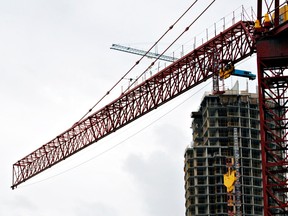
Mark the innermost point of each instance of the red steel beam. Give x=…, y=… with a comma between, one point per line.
x=272, y=58
x=232, y=45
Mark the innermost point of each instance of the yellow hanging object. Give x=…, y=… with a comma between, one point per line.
x=229, y=180
x=226, y=71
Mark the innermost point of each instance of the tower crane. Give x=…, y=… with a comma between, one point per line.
x=142, y=52
x=267, y=37
x=224, y=72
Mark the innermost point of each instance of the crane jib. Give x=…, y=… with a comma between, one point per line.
x=234, y=44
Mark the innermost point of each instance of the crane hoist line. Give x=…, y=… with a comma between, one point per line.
x=234, y=44
x=148, y=53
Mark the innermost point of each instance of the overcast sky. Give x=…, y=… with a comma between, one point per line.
x=55, y=63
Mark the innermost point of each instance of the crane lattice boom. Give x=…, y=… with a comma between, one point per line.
x=233, y=45
x=142, y=53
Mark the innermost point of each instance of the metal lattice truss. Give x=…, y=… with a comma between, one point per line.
x=274, y=85
x=272, y=58
x=233, y=45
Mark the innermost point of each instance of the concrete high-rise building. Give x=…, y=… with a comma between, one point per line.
x=205, y=160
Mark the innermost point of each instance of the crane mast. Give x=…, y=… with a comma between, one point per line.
x=237, y=169
x=271, y=33
x=232, y=179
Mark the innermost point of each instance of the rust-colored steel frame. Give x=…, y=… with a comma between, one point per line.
x=233, y=45
x=274, y=138
x=272, y=60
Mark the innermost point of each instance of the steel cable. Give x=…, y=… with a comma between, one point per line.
x=136, y=63
x=186, y=29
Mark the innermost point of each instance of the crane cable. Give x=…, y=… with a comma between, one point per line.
x=136, y=63
x=185, y=30
x=119, y=143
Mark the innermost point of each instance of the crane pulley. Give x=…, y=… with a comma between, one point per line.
x=229, y=70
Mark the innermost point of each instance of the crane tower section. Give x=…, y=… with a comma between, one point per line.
x=272, y=60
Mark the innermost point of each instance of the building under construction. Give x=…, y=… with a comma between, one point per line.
x=214, y=126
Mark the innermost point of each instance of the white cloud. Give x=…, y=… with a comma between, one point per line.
x=92, y=209
x=157, y=179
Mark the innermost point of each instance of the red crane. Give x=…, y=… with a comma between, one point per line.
x=272, y=63
x=241, y=40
